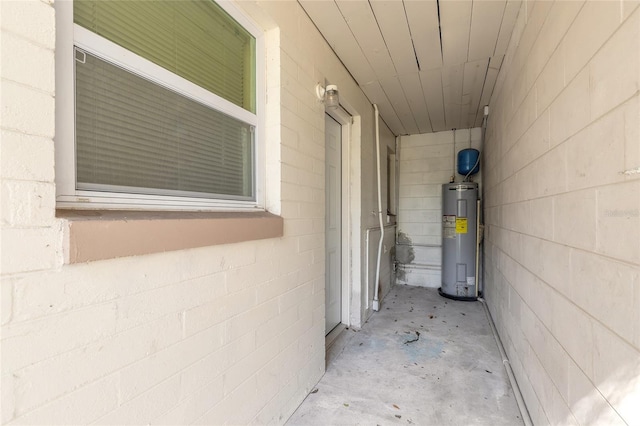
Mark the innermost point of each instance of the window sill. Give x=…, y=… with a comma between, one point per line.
x=99, y=235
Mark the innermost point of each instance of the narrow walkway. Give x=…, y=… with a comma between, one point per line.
x=422, y=360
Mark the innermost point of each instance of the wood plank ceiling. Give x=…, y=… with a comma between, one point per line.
x=429, y=65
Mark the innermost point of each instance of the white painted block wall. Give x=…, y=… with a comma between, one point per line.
x=426, y=162
x=228, y=334
x=563, y=237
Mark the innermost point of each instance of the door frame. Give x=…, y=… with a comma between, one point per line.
x=346, y=122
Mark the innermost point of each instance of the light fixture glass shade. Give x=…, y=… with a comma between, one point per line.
x=331, y=99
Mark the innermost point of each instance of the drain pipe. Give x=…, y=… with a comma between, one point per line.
x=376, y=301
x=507, y=366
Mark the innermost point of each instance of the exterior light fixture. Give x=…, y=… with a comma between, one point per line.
x=328, y=95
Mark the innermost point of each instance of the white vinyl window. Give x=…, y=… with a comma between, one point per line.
x=158, y=106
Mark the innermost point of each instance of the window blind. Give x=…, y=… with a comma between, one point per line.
x=135, y=136
x=196, y=40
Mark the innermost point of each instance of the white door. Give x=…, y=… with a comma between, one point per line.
x=333, y=224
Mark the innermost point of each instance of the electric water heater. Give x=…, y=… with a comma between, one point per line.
x=459, y=215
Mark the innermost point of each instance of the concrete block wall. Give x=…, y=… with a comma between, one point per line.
x=229, y=334
x=563, y=210
x=426, y=162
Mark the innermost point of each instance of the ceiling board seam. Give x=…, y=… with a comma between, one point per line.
x=329, y=44
x=495, y=45
x=496, y=83
x=444, y=108
x=413, y=115
x=383, y=120
x=413, y=45
x=425, y=104
x=383, y=39
x=371, y=60
x=484, y=82
x=404, y=127
x=352, y=31
x=440, y=32
x=473, y=3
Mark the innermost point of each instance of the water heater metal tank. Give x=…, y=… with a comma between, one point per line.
x=459, y=205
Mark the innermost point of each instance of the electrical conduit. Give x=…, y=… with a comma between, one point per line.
x=376, y=301
x=507, y=366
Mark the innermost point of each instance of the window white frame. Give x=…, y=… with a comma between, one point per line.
x=69, y=35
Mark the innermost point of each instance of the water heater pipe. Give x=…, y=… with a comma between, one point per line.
x=453, y=167
x=466, y=177
x=479, y=242
x=376, y=301
x=477, y=246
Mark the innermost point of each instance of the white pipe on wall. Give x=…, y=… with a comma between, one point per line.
x=397, y=182
x=477, y=246
x=376, y=302
x=526, y=417
x=367, y=257
x=366, y=269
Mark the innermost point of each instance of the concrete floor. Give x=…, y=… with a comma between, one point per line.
x=451, y=375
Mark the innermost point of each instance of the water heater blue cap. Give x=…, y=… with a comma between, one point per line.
x=468, y=161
